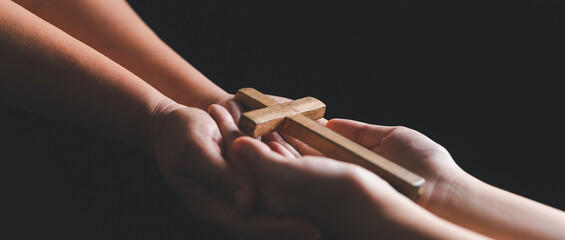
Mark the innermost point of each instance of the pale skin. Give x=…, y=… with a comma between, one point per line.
x=351, y=203
x=133, y=87
x=125, y=82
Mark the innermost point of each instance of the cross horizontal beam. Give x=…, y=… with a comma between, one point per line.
x=266, y=120
x=296, y=122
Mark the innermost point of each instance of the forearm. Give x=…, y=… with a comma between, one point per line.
x=46, y=71
x=421, y=224
x=403, y=222
x=114, y=29
x=396, y=218
x=500, y=214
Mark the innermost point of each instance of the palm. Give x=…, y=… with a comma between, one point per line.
x=408, y=148
x=189, y=148
x=189, y=153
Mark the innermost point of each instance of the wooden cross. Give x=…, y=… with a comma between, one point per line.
x=295, y=118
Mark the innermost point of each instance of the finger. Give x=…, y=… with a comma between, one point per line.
x=280, y=149
x=260, y=151
x=234, y=109
x=322, y=121
x=297, y=186
x=223, y=181
x=299, y=146
x=194, y=149
x=276, y=137
x=207, y=207
x=264, y=163
x=242, y=195
x=367, y=135
x=227, y=127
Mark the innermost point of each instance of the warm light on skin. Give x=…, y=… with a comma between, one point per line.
x=98, y=65
x=121, y=35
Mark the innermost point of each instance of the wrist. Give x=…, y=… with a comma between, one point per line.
x=376, y=203
x=157, y=116
x=205, y=98
x=370, y=202
x=448, y=193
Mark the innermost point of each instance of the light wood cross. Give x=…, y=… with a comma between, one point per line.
x=295, y=118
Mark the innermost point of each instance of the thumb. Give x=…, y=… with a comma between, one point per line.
x=367, y=135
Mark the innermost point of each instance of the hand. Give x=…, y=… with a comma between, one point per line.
x=333, y=194
x=347, y=201
x=411, y=150
x=285, y=193
x=191, y=154
x=405, y=146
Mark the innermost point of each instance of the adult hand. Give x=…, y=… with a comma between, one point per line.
x=405, y=146
x=345, y=200
x=193, y=160
x=333, y=194
x=451, y=193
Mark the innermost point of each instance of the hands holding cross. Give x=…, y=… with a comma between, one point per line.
x=349, y=202
x=97, y=65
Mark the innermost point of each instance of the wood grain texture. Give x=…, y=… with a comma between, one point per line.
x=336, y=146
x=252, y=99
x=266, y=120
x=325, y=140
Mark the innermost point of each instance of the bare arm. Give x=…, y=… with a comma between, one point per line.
x=500, y=214
x=453, y=194
x=47, y=71
x=345, y=200
x=115, y=30
x=44, y=70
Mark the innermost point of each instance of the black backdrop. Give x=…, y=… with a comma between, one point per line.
x=479, y=77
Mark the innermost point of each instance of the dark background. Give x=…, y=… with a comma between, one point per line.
x=481, y=78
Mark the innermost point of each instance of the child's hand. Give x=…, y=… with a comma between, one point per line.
x=192, y=156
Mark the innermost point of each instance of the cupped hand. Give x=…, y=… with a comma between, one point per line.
x=405, y=146
x=345, y=200
x=342, y=198
x=412, y=150
x=193, y=160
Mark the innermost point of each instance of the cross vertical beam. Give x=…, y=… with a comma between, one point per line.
x=328, y=142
